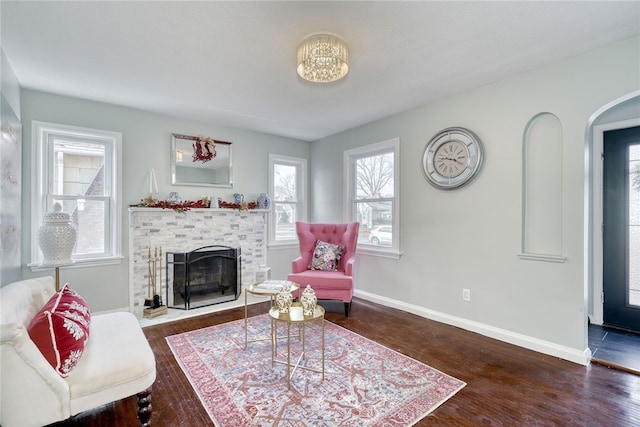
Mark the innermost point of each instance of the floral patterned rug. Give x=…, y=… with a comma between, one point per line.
x=366, y=384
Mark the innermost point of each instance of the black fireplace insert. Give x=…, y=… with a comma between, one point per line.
x=204, y=276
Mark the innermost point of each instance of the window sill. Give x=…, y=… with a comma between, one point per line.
x=114, y=260
x=542, y=257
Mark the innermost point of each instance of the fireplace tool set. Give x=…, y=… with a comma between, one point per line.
x=153, y=304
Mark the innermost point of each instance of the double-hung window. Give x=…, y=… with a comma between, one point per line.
x=79, y=169
x=287, y=185
x=372, y=196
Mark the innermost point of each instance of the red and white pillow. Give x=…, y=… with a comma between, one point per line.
x=61, y=329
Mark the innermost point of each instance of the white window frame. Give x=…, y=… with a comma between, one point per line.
x=42, y=147
x=302, y=202
x=350, y=157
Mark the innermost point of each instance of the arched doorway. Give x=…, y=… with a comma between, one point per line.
x=622, y=113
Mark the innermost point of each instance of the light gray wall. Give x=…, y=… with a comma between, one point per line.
x=470, y=238
x=146, y=139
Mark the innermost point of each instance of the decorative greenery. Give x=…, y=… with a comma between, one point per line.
x=184, y=206
x=150, y=202
x=240, y=206
x=204, y=149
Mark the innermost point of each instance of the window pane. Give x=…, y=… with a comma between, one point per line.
x=284, y=188
x=634, y=225
x=376, y=219
x=91, y=227
x=78, y=168
x=286, y=217
x=88, y=217
x=374, y=176
x=373, y=196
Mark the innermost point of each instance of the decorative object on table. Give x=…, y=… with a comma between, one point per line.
x=360, y=375
x=309, y=301
x=215, y=202
x=262, y=274
x=264, y=201
x=56, y=239
x=153, y=302
x=322, y=58
x=452, y=158
x=238, y=198
x=284, y=299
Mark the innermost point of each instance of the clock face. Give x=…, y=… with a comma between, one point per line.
x=452, y=158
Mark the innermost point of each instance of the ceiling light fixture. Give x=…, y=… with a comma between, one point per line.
x=323, y=58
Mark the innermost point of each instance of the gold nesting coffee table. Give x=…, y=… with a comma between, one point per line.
x=295, y=316
x=268, y=288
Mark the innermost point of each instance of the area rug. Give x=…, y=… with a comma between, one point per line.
x=366, y=384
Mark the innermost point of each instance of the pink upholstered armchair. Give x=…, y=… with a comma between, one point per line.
x=334, y=285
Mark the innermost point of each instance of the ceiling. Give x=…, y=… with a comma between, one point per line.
x=233, y=63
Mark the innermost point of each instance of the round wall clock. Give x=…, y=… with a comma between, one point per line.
x=452, y=158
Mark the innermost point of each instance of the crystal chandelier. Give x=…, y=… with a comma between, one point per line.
x=323, y=58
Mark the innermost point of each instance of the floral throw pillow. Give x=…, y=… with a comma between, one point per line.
x=326, y=256
x=61, y=328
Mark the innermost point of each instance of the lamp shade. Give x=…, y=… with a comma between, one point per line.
x=56, y=237
x=322, y=58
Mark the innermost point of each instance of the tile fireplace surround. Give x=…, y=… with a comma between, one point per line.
x=185, y=231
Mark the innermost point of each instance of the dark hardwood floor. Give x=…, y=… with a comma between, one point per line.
x=506, y=385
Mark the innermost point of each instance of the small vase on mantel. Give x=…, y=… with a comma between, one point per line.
x=284, y=299
x=262, y=201
x=309, y=301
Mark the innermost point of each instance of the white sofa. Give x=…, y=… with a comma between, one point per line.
x=117, y=363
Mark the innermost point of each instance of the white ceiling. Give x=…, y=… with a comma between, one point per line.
x=233, y=63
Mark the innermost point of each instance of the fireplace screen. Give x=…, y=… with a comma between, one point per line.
x=205, y=276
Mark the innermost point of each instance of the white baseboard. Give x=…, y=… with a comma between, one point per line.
x=535, y=344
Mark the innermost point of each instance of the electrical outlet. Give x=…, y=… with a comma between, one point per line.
x=466, y=294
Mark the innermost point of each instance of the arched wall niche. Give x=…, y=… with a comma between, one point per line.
x=542, y=151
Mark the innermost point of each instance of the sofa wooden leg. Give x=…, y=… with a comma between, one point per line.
x=144, y=407
x=347, y=309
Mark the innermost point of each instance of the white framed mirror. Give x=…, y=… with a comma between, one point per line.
x=200, y=161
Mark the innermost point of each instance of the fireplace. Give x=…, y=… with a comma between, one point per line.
x=205, y=276
x=182, y=232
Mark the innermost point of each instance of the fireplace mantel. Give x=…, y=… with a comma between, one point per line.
x=151, y=228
